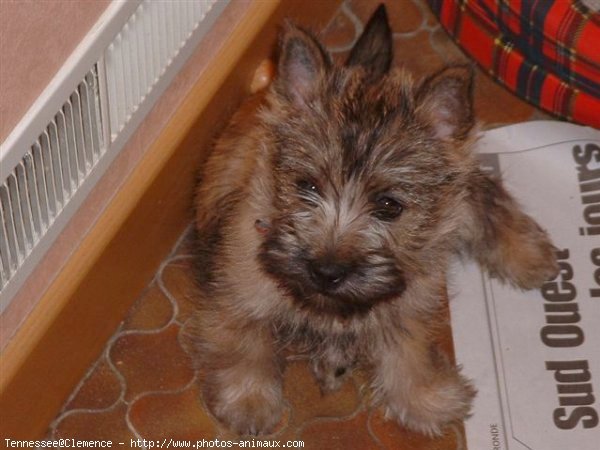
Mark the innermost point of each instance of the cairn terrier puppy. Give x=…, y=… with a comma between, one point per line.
x=327, y=222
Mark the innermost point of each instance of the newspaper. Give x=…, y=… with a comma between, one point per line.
x=535, y=355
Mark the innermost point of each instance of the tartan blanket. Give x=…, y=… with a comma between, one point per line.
x=546, y=51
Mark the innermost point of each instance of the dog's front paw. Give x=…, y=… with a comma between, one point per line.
x=246, y=412
x=532, y=262
x=432, y=407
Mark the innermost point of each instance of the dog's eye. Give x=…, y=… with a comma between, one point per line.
x=386, y=208
x=307, y=189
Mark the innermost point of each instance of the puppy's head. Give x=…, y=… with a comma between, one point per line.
x=368, y=168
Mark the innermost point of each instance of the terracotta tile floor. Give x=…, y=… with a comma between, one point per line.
x=143, y=385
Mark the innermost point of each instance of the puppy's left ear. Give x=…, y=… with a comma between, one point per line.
x=445, y=100
x=373, y=50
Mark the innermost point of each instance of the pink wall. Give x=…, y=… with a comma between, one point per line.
x=36, y=37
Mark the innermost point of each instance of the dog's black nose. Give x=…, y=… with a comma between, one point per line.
x=328, y=274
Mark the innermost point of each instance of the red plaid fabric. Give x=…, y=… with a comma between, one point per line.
x=546, y=51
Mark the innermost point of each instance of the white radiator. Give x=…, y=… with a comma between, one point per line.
x=55, y=155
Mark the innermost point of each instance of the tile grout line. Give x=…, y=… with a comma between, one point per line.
x=142, y=395
x=106, y=353
x=358, y=28
x=370, y=430
x=122, y=385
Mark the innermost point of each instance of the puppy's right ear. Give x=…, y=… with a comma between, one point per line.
x=374, y=49
x=302, y=63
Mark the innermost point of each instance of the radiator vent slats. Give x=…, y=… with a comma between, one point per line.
x=143, y=51
x=59, y=151
x=49, y=174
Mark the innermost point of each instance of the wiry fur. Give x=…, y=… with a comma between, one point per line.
x=292, y=250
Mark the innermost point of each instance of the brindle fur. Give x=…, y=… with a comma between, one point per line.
x=353, y=132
